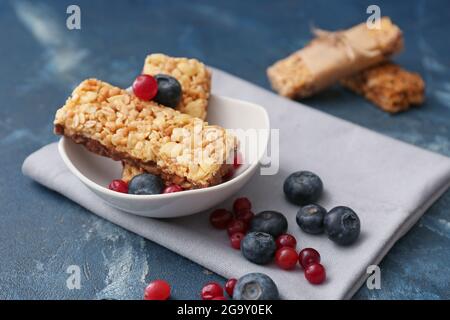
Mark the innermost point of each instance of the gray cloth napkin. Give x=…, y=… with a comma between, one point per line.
x=388, y=183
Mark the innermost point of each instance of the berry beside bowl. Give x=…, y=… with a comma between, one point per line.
x=97, y=172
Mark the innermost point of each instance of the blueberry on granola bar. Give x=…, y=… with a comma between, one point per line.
x=169, y=90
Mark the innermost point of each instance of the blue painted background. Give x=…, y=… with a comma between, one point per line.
x=42, y=233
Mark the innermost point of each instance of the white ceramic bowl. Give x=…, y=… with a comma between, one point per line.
x=96, y=172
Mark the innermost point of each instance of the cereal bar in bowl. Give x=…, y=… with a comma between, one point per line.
x=194, y=77
x=181, y=149
x=195, y=80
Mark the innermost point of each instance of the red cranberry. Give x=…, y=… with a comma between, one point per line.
x=220, y=218
x=245, y=216
x=219, y=298
x=241, y=205
x=236, y=226
x=119, y=186
x=237, y=160
x=286, y=258
x=229, y=286
x=173, y=188
x=212, y=290
x=315, y=273
x=308, y=256
x=145, y=87
x=157, y=290
x=235, y=240
x=286, y=240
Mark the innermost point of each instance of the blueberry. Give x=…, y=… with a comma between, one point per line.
x=310, y=218
x=258, y=247
x=303, y=187
x=271, y=222
x=169, y=90
x=255, y=286
x=145, y=183
x=342, y=225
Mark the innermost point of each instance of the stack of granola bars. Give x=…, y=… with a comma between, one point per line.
x=358, y=59
x=174, y=144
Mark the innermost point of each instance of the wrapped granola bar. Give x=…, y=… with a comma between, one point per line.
x=332, y=56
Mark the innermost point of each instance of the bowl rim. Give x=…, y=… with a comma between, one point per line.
x=62, y=145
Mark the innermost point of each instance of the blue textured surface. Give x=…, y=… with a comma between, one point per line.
x=42, y=233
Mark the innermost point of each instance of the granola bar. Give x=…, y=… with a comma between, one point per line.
x=388, y=86
x=182, y=149
x=332, y=56
x=195, y=80
x=194, y=77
